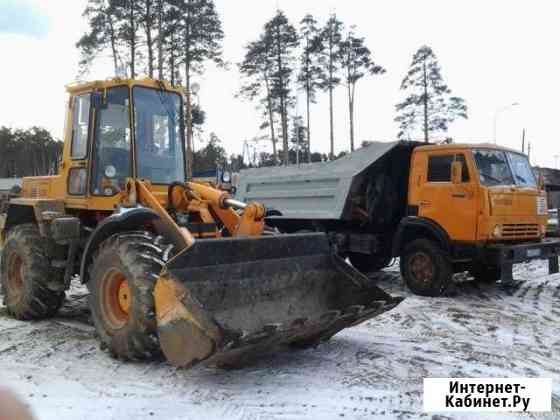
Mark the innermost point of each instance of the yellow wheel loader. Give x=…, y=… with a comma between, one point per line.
x=173, y=267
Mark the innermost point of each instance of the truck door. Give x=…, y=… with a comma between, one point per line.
x=452, y=206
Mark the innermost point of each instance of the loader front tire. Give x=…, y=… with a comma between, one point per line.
x=426, y=269
x=122, y=278
x=32, y=288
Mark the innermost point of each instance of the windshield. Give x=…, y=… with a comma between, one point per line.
x=493, y=167
x=497, y=167
x=159, y=141
x=522, y=170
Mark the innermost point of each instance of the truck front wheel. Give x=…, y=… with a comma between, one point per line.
x=426, y=269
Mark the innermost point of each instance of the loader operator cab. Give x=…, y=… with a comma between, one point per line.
x=149, y=147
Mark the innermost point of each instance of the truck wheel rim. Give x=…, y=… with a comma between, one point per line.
x=421, y=267
x=15, y=276
x=116, y=300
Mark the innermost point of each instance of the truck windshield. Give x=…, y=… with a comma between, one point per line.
x=497, y=167
x=159, y=137
x=522, y=171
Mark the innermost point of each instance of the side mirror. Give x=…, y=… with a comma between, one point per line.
x=456, y=172
x=541, y=182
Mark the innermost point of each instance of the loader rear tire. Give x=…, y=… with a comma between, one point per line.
x=426, y=269
x=369, y=263
x=32, y=288
x=121, y=284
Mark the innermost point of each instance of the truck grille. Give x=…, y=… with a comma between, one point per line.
x=519, y=231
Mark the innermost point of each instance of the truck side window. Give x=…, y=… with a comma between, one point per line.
x=465, y=171
x=80, y=126
x=439, y=168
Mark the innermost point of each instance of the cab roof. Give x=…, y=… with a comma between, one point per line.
x=82, y=87
x=455, y=146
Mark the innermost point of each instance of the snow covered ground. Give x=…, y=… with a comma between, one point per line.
x=372, y=371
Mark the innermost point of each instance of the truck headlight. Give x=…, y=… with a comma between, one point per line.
x=497, y=231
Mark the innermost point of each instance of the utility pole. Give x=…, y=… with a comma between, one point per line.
x=523, y=142
x=529, y=151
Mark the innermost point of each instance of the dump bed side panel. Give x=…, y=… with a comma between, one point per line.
x=321, y=191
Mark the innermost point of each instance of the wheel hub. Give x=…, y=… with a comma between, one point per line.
x=422, y=268
x=116, y=299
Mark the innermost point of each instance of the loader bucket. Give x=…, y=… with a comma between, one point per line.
x=224, y=300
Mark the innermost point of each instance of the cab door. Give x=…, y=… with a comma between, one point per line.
x=76, y=188
x=453, y=206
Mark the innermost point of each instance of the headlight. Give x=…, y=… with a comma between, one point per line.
x=497, y=231
x=226, y=177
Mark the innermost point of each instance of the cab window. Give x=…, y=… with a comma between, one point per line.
x=439, y=167
x=80, y=126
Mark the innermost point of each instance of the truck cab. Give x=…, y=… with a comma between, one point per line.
x=486, y=205
x=495, y=197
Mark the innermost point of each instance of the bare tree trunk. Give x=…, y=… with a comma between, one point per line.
x=160, y=38
x=331, y=87
x=283, y=115
x=149, y=40
x=132, y=40
x=308, y=128
x=426, y=135
x=113, y=41
x=270, y=110
x=308, y=100
x=351, y=93
x=190, y=157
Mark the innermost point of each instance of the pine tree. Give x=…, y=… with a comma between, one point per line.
x=310, y=71
x=200, y=41
x=429, y=102
x=299, y=141
x=330, y=61
x=256, y=68
x=283, y=40
x=103, y=33
x=147, y=16
x=356, y=61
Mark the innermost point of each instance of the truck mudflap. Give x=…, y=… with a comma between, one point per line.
x=508, y=255
x=226, y=300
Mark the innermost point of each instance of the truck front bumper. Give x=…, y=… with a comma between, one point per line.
x=506, y=255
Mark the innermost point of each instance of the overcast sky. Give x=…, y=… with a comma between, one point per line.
x=492, y=53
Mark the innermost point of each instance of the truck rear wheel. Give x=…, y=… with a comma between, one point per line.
x=426, y=269
x=121, y=283
x=369, y=263
x=32, y=288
